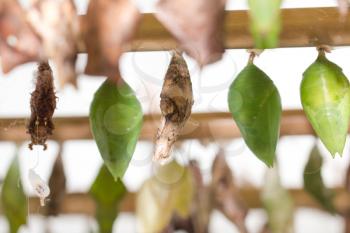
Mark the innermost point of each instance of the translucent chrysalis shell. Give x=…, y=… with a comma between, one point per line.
x=40, y=187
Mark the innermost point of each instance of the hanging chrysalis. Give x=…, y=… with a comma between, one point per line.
x=116, y=120
x=168, y=193
x=255, y=105
x=42, y=105
x=325, y=96
x=40, y=187
x=313, y=181
x=175, y=104
x=107, y=194
x=265, y=22
x=278, y=203
x=13, y=201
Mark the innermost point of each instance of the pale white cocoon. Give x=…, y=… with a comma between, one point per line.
x=40, y=187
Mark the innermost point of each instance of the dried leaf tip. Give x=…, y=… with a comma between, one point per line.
x=175, y=105
x=15, y=36
x=204, y=42
x=225, y=193
x=110, y=27
x=57, y=185
x=343, y=6
x=42, y=105
x=324, y=49
x=57, y=24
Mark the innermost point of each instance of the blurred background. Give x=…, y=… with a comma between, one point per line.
x=144, y=72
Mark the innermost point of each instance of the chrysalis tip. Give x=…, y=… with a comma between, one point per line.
x=41, y=189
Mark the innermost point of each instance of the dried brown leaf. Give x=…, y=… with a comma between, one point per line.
x=225, y=194
x=178, y=223
x=176, y=104
x=265, y=228
x=343, y=6
x=57, y=184
x=347, y=179
x=202, y=205
x=58, y=25
x=18, y=42
x=197, y=25
x=110, y=25
x=347, y=224
x=346, y=215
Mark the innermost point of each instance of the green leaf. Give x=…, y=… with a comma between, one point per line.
x=313, y=182
x=255, y=105
x=14, y=201
x=278, y=203
x=265, y=22
x=326, y=102
x=107, y=194
x=168, y=192
x=116, y=120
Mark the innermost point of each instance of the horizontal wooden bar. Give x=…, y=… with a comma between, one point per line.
x=200, y=126
x=82, y=203
x=301, y=27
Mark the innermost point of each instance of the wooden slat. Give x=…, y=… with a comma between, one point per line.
x=82, y=203
x=200, y=126
x=302, y=27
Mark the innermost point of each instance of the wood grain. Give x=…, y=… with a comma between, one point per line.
x=301, y=27
x=217, y=125
x=80, y=203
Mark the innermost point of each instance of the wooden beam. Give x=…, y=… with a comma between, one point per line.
x=302, y=27
x=200, y=126
x=80, y=203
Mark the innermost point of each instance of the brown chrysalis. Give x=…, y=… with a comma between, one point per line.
x=175, y=105
x=42, y=105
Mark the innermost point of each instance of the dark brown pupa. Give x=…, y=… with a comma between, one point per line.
x=42, y=105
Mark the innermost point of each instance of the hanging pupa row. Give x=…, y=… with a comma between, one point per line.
x=55, y=32
x=255, y=105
